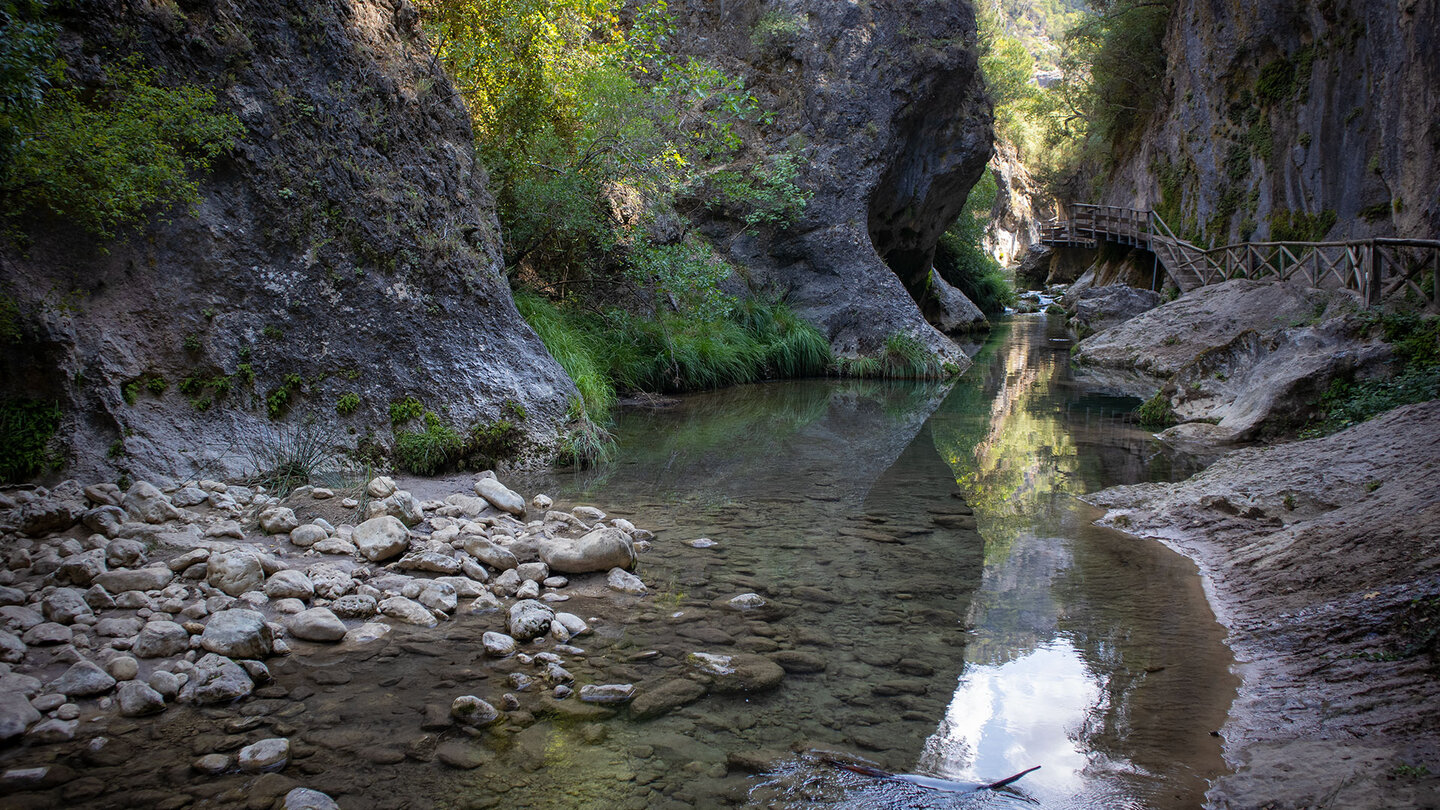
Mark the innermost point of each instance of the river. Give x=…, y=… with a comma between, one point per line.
x=938, y=597
x=964, y=649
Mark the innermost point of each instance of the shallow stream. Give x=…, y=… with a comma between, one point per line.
x=938, y=597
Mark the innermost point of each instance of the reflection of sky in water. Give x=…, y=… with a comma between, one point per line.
x=1008, y=717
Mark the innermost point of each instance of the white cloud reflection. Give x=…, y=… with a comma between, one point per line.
x=1008, y=717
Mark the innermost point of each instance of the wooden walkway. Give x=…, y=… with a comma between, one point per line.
x=1381, y=270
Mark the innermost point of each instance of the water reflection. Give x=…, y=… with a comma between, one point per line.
x=1073, y=663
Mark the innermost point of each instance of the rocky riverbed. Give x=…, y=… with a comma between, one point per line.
x=120, y=606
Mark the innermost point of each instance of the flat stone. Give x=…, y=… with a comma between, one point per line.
x=135, y=579
x=267, y=754
x=83, y=679
x=408, y=611
x=216, y=679
x=16, y=715
x=607, y=694
x=317, y=624
x=665, y=698
x=48, y=634
x=603, y=549
x=306, y=799
x=625, y=582
x=462, y=754
x=799, y=661
x=500, y=496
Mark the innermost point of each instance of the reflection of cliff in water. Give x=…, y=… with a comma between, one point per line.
x=1074, y=661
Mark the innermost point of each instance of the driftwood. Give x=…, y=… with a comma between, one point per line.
x=931, y=782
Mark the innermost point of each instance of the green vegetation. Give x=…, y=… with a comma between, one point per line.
x=157, y=385
x=1416, y=343
x=905, y=357
x=599, y=144
x=287, y=456
x=427, y=451
x=592, y=132
x=103, y=158
x=964, y=264
x=774, y=27
x=622, y=351
x=440, y=447
x=347, y=403
x=405, y=410
x=27, y=427
x=1156, y=412
x=277, y=402
x=1298, y=226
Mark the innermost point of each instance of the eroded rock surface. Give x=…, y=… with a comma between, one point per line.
x=1318, y=554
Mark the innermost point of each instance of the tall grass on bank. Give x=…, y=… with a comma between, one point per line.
x=621, y=351
x=576, y=349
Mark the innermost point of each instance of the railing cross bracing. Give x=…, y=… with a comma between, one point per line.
x=1379, y=269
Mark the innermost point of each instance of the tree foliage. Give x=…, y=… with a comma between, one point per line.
x=592, y=132
x=961, y=259
x=1111, y=62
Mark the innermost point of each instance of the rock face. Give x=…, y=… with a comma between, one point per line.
x=1253, y=357
x=948, y=308
x=290, y=253
x=1020, y=206
x=888, y=100
x=1099, y=308
x=1318, y=555
x=1340, y=116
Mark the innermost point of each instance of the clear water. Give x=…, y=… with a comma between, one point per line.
x=954, y=646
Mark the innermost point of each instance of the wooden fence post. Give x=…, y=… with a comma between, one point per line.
x=1373, y=264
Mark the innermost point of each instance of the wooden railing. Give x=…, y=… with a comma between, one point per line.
x=1379, y=269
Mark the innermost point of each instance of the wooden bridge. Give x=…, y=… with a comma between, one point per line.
x=1379, y=269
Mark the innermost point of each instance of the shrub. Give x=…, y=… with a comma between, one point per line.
x=575, y=349
x=26, y=429
x=404, y=410
x=1156, y=412
x=430, y=450
x=347, y=403
x=904, y=356
x=104, y=159
x=285, y=457
x=963, y=263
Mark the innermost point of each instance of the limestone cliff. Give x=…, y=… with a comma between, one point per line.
x=1294, y=120
x=1020, y=207
x=883, y=102
x=346, y=245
